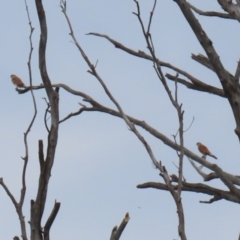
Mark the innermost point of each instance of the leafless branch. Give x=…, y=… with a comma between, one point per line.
x=100, y=108
x=194, y=187
x=51, y=218
x=18, y=206
x=226, y=180
x=158, y=70
x=76, y=113
x=129, y=123
x=23, y=190
x=94, y=73
x=211, y=13
x=8, y=193
x=198, y=169
x=231, y=8
x=151, y=16
x=45, y=115
x=223, y=75
x=116, y=232
x=189, y=125
x=218, y=173
x=203, y=60
x=197, y=85
x=210, y=176
x=37, y=206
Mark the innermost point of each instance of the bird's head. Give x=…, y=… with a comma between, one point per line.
x=12, y=76
x=198, y=143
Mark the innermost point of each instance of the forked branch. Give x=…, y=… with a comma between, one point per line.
x=38, y=205
x=117, y=231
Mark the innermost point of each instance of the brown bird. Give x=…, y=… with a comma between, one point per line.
x=17, y=81
x=204, y=150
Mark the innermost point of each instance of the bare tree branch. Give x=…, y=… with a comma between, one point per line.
x=158, y=70
x=198, y=169
x=195, y=187
x=203, y=60
x=46, y=114
x=23, y=190
x=214, y=199
x=231, y=8
x=197, y=85
x=211, y=13
x=94, y=73
x=18, y=206
x=51, y=218
x=117, y=232
x=37, y=206
x=231, y=89
x=100, y=108
x=8, y=193
x=142, y=54
x=226, y=180
x=206, y=62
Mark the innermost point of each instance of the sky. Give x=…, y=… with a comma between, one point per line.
x=99, y=162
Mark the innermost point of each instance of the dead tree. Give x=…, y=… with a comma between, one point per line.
x=38, y=231
x=174, y=184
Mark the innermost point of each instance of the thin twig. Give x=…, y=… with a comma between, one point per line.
x=94, y=73
x=101, y=108
x=189, y=125
x=158, y=70
x=151, y=16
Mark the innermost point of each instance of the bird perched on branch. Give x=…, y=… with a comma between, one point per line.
x=17, y=81
x=204, y=150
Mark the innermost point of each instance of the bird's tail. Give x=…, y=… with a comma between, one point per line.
x=212, y=156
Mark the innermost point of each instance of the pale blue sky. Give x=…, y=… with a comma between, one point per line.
x=99, y=161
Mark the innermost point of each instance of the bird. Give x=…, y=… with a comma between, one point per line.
x=17, y=81
x=204, y=150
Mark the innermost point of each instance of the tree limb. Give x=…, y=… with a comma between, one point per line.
x=154, y=132
x=117, y=231
x=142, y=54
x=195, y=187
x=51, y=218
x=37, y=206
x=231, y=89
x=231, y=8
x=211, y=13
x=197, y=85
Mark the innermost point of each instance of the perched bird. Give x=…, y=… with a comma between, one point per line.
x=17, y=81
x=204, y=150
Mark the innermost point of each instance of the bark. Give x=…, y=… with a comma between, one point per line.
x=117, y=231
x=37, y=205
x=230, y=87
